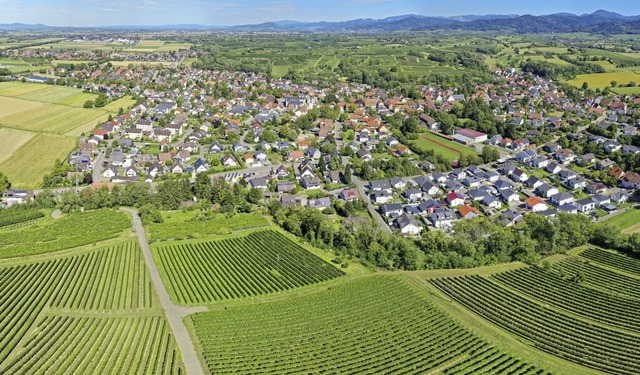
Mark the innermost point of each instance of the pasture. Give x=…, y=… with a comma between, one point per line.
x=378, y=324
x=26, y=166
x=441, y=146
x=626, y=221
x=259, y=263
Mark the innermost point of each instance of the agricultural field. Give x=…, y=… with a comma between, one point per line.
x=93, y=311
x=74, y=230
x=448, y=149
x=15, y=88
x=551, y=329
x=599, y=278
x=602, y=80
x=11, y=140
x=182, y=225
x=378, y=324
x=259, y=263
x=123, y=103
x=618, y=262
x=55, y=119
x=26, y=166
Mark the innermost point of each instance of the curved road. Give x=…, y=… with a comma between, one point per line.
x=174, y=313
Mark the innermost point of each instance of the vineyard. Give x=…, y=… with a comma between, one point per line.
x=259, y=263
x=13, y=217
x=549, y=288
x=606, y=349
x=65, y=345
x=619, y=262
x=37, y=335
x=601, y=278
x=378, y=324
x=77, y=229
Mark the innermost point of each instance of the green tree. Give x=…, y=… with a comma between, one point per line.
x=88, y=104
x=4, y=182
x=202, y=187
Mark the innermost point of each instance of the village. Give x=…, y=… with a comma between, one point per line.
x=299, y=143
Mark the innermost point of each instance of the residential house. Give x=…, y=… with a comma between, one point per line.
x=586, y=159
x=631, y=180
x=391, y=209
x=380, y=185
x=442, y=219
x=229, y=161
x=319, y=203
x=576, y=183
x=295, y=155
x=311, y=183
x=586, y=205
x=455, y=199
x=604, y=164
x=620, y=197
x=560, y=199
x=519, y=175
x=467, y=212
x=397, y=183
x=285, y=187
x=349, y=195
x=413, y=194
x=536, y=204
x=109, y=172
x=509, y=196
x=215, y=147
x=553, y=168
x=200, y=166
x=533, y=182
x=381, y=197
x=408, y=225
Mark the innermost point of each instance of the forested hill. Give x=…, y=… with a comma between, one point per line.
x=600, y=21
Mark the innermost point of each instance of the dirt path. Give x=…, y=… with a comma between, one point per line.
x=57, y=214
x=174, y=313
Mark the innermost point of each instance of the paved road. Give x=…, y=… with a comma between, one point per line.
x=174, y=313
x=372, y=209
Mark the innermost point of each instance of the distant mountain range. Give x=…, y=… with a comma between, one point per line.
x=600, y=21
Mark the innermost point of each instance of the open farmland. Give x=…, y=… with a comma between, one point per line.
x=11, y=106
x=11, y=140
x=56, y=119
x=602, y=80
x=378, y=324
x=616, y=261
x=74, y=230
x=28, y=164
x=259, y=263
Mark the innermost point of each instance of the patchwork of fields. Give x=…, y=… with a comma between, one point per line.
x=39, y=124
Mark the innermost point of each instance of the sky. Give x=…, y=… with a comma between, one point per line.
x=227, y=12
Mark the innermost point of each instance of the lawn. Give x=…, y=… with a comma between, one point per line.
x=628, y=221
x=11, y=140
x=448, y=149
x=194, y=224
x=602, y=80
x=28, y=164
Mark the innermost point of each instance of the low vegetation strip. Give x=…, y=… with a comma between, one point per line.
x=617, y=261
x=378, y=324
x=259, y=263
x=569, y=295
x=562, y=335
x=65, y=345
x=75, y=230
x=601, y=278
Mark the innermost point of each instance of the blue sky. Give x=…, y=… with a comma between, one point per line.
x=227, y=12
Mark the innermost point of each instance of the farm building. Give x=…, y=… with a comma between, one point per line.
x=469, y=136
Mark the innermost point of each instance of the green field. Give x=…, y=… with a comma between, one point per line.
x=187, y=224
x=28, y=164
x=71, y=231
x=615, y=261
x=448, y=149
x=373, y=325
x=625, y=221
x=55, y=119
x=259, y=263
x=11, y=140
x=602, y=80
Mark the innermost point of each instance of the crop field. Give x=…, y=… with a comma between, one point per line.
x=56, y=119
x=74, y=230
x=11, y=140
x=599, y=278
x=123, y=103
x=596, y=305
x=378, y=324
x=11, y=106
x=90, y=312
x=259, y=263
x=601, y=80
x=185, y=225
x=549, y=329
x=16, y=88
x=26, y=166
x=617, y=261
x=50, y=94
x=448, y=149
